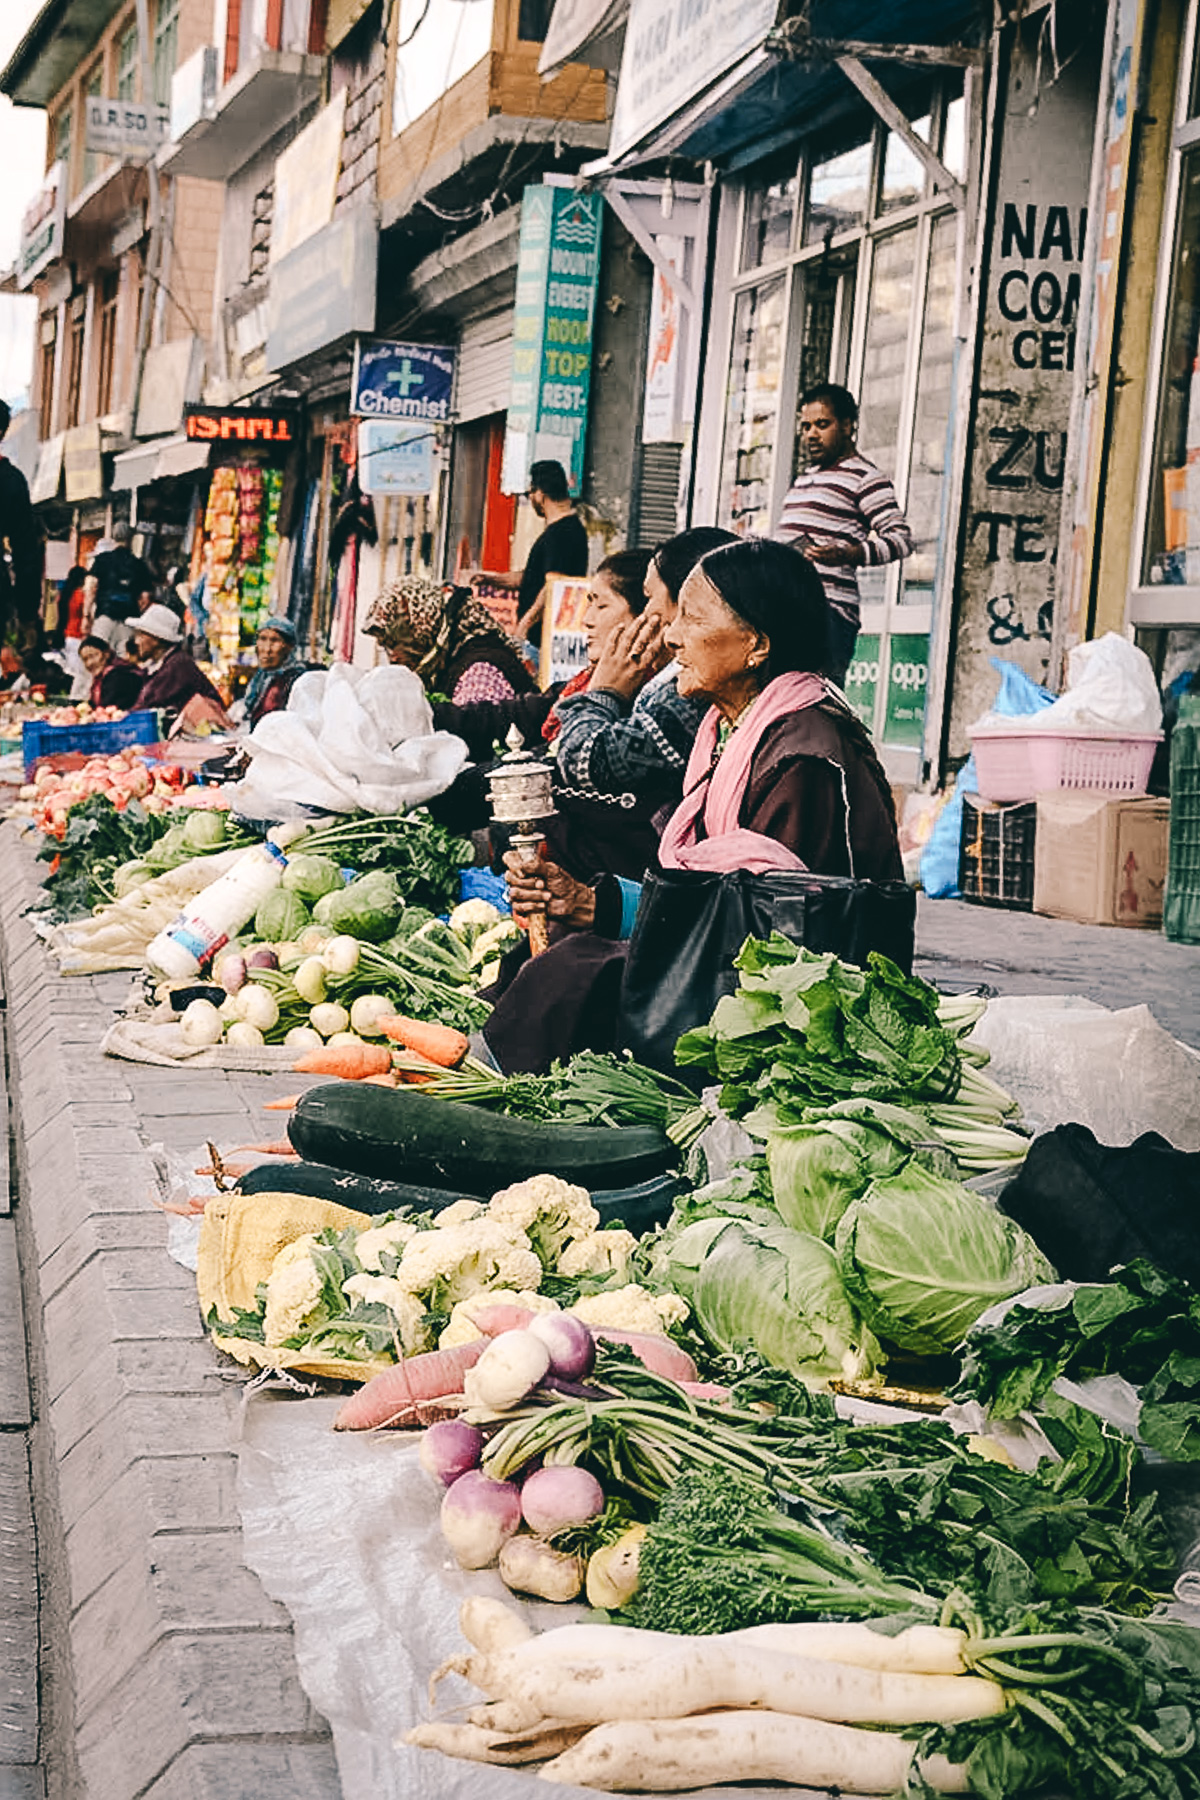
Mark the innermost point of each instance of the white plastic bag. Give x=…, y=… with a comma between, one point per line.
x=350, y=740
x=1067, y=1060
x=1110, y=687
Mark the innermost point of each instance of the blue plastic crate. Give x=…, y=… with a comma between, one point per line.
x=39, y=739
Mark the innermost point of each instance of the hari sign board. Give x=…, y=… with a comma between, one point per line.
x=402, y=381
x=558, y=275
x=674, y=50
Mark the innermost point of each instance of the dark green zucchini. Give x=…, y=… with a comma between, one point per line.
x=364, y=1193
x=403, y=1135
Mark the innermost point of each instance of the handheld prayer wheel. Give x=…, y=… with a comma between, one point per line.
x=520, y=794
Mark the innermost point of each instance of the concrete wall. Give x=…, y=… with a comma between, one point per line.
x=618, y=382
x=1028, y=343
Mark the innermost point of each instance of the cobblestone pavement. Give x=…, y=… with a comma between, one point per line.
x=959, y=944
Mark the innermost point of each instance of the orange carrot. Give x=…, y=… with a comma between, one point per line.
x=282, y=1148
x=398, y=1396
x=288, y=1104
x=353, y=1062
x=390, y=1080
x=438, y=1043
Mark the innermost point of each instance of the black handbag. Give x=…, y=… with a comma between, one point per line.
x=691, y=924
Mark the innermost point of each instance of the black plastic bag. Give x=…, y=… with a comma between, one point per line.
x=690, y=926
x=1090, y=1207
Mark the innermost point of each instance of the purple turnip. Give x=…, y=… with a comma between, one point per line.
x=571, y=1345
x=449, y=1448
x=479, y=1515
x=558, y=1498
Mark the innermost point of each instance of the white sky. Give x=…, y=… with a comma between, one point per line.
x=22, y=158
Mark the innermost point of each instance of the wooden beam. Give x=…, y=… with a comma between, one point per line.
x=882, y=102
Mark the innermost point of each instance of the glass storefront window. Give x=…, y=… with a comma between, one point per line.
x=752, y=408
x=934, y=378
x=885, y=353
x=770, y=209
x=1173, y=534
x=903, y=173
x=837, y=194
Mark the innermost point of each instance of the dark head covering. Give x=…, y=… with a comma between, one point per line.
x=676, y=559
x=281, y=626
x=776, y=590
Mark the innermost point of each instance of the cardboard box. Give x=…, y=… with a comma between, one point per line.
x=1100, y=859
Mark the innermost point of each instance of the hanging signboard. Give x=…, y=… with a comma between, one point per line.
x=660, y=409
x=82, y=463
x=306, y=179
x=123, y=128
x=565, y=645
x=395, y=458
x=402, y=381
x=558, y=274
x=48, y=473
x=323, y=291
x=270, y=425
x=673, y=52
x=42, y=227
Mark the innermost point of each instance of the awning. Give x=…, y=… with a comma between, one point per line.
x=584, y=31
x=710, y=89
x=158, y=458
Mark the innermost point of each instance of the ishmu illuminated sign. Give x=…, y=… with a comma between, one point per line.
x=239, y=425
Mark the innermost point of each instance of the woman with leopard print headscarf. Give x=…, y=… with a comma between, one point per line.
x=448, y=638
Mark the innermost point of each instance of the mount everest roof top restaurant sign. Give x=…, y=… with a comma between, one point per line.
x=674, y=49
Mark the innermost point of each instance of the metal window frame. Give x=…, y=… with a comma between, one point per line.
x=890, y=616
x=1150, y=604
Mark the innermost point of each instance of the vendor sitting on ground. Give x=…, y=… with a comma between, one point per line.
x=449, y=639
x=171, y=681
x=115, y=681
x=782, y=776
x=279, y=669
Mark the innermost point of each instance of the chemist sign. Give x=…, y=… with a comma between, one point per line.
x=558, y=273
x=402, y=381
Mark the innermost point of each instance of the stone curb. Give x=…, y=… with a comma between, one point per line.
x=171, y=1675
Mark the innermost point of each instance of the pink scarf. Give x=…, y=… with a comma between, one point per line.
x=726, y=846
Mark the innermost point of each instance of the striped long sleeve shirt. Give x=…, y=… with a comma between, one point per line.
x=850, y=502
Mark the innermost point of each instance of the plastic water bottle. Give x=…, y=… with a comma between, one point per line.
x=208, y=922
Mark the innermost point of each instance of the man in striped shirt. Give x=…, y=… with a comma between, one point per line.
x=841, y=511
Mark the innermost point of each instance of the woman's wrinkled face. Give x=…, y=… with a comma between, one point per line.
x=712, y=646
x=606, y=610
x=273, y=648
x=92, y=657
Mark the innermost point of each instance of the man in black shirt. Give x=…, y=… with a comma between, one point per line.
x=120, y=577
x=21, y=569
x=562, y=549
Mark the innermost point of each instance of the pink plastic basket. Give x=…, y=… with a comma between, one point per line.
x=1017, y=765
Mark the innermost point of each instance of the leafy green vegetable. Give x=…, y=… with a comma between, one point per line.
x=424, y=857
x=281, y=917
x=923, y=1257
x=1142, y=1324
x=98, y=840
x=751, y=1282
x=368, y=907
x=311, y=876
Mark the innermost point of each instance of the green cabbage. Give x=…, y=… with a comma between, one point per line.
x=205, y=831
x=751, y=1282
x=281, y=917
x=311, y=877
x=819, y=1167
x=923, y=1257
x=370, y=907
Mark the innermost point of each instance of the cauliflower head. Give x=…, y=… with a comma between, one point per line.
x=600, y=1253
x=294, y=1291
x=462, y=1328
x=546, y=1213
x=490, y=945
x=384, y=1290
x=631, y=1308
x=451, y=1217
x=470, y=917
x=370, y=1245
x=445, y=1267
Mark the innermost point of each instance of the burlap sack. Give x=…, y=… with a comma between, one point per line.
x=240, y=1237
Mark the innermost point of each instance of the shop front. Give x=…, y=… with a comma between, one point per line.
x=1164, y=597
x=841, y=252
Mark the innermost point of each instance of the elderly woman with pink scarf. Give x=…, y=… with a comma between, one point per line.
x=782, y=776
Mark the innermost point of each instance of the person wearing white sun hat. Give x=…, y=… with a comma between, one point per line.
x=172, y=682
